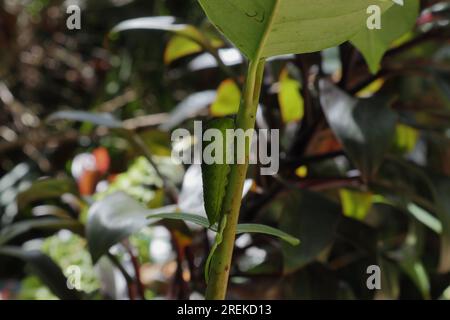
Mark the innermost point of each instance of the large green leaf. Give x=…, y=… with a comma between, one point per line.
x=265, y=28
x=365, y=127
x=397, y=21
x=311, y=218
x=44, y=267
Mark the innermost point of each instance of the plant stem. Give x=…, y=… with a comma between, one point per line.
x=221, y=260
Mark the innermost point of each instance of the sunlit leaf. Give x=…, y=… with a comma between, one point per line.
x=289, y=97
x=355, y=204
x=183, y=45
x=227, y=100
x=406, y=138
x=395, y=22
x=179, y=47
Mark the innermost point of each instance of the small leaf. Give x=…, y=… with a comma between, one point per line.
x=188, y=42
x=11, y=231
x=215, y=175
x=355, y=204
x=396, y=22
x=46, y=189
x=371, y=89
x=44, y=267
x=406, y=138
x=179, y=47
x=100, y=119
x=289, y=97
x=227, y=100
x=365, y=127
x=259, y=228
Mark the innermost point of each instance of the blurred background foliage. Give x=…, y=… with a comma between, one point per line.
x=85, y=126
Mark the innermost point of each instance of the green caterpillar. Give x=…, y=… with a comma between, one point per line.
x=215, y=176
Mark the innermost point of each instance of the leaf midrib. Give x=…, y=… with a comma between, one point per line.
x=268, y=29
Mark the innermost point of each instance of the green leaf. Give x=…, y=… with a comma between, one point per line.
x=408, y=258
x=179, y=47
x=44, y=267
x=11, y=231
x=111, y=220
x=355, y=204
x=46, y=189
x=259, y=228
x=390, y=280
x=227, y=100
x=311, y=218
x=365, y=127
x=188, y=42
x=163, y=23
x=215, y=175
x=265, y=28
x=289, y=97
x=442, y=185
x=100, y=119
x=426, y=218
x=118, y=216
x=395, y=22
x=198, y=220
x=406, y=138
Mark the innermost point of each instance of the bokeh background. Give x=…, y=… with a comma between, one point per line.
x=86, y=116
